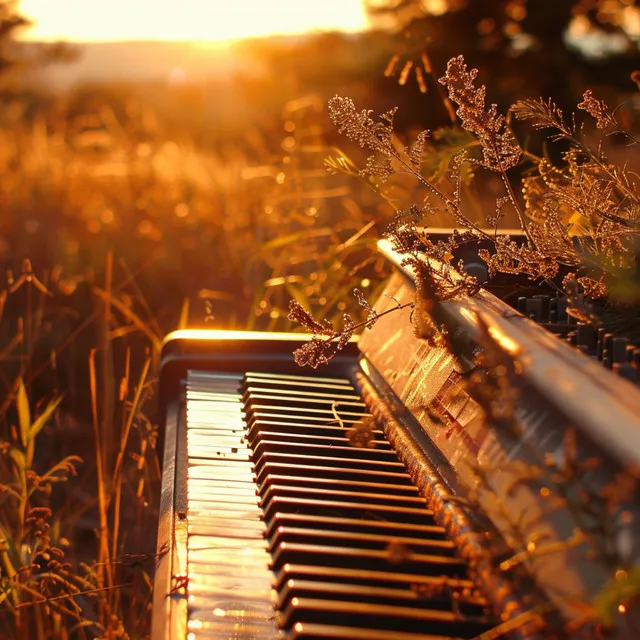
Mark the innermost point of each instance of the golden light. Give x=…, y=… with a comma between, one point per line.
x=200, y=20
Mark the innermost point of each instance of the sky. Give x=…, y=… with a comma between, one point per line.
x=106, y=20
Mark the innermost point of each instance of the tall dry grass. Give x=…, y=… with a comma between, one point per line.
x=114, y=232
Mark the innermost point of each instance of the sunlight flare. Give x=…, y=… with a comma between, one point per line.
x=95, y=20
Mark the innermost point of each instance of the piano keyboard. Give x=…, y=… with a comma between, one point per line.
x=303, y=523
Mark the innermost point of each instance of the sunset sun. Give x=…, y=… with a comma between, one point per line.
x=95, y=20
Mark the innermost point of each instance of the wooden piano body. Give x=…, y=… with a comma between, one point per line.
x=374, y=498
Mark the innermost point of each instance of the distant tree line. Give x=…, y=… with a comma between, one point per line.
x=524, y=48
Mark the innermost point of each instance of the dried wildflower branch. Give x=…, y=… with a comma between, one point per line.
x=500, y=149
x=377, y=136
x=546, y=115
x=604, y=118
x=582, y=215
x=328, y=341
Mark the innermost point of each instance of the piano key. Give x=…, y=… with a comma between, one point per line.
x=354, y=575
x=210, y=502
x=379, y=616
x=224, y=486
x=259, y=408
x=347, y=524
x=232, y=526
x=318, y=427
x=339, y=438
x=344, y=507
x=316, y=418
x=229, y=465
x=350, y=403
x=226, y=435
x=210, y=515
x=291, y=552
x=309, y=631
x=199, y=524
x=284, y=394
x=310, y=450
x=229, y=585
x=345, y=485
x=298, y=377
x=293, y=491
x=359, y=540
x=230, y=630
x=205, y=560
x=379, y=466
x=196, y=451
x=204, y=542
x=293, y=384
x=287, y=467
x=409, y=597
x=213, y=575
x=241, y=610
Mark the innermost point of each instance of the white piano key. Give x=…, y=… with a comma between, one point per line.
x=226, y=629
x=233, y=584
x=229, y=589
x=202, y=543
x=239, y=610
x=233, y=526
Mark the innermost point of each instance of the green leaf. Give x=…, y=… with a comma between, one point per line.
x=24, y=415
x=43, y=418
x=18, y=457
x=622, y=589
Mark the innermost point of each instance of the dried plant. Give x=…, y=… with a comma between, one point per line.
x=582, y=214
x=581, y=220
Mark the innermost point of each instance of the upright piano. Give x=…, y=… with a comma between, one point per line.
x=384, y=497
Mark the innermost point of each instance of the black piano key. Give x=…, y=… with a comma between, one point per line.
x=291, y=412
x=266, y=375
x=386, y=560
x=380, y=616
x=338, y=437
x=399, y=595
x=321, y=450
x=381, y=466
x=304, y=493
x=310, y=631
x=300, y=399
x=348, y=508
x=359, y=540
x=287, y=466
x=385, y=489
x=295, y=384
x=317, y=427
x=350, y=575
x=350, y=524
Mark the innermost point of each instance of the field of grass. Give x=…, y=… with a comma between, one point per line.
x=128, y=212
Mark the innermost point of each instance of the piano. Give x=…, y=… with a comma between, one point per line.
x=384, y=497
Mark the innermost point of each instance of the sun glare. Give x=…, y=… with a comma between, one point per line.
x=96, y=20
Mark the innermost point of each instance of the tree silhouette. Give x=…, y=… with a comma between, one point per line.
x=16, y=56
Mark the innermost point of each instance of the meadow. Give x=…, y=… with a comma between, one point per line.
x=127, y=211
x=130, y=210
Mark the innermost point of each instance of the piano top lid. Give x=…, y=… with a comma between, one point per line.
x=602, y=404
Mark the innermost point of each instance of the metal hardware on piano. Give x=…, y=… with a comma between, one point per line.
x=333, y=504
